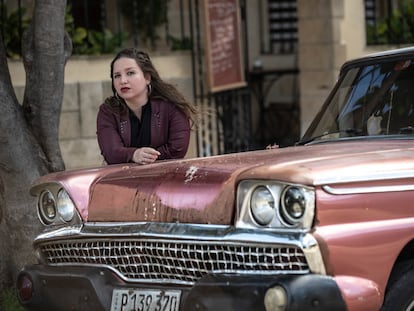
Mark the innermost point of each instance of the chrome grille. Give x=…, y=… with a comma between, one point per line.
x=184, y=261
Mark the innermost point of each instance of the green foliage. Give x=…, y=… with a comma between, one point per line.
x=396, y=29
x=9, y=301
x=104, y=42
x=146, y=16
x=14, y=23
x=84, y=42
x=143, y=15
x=91, y=42
x=180, y=44
x=77, y=34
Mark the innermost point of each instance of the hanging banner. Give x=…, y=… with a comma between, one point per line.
x=223, y=45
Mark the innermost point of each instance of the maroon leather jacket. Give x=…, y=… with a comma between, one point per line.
x=170, y=132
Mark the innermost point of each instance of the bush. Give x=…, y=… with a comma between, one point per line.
x=9, y=302
x=84, y=41
x=398, y=28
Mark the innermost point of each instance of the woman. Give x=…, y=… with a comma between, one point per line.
x=146, y=119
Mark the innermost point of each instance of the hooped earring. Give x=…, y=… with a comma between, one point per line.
x=149, y=87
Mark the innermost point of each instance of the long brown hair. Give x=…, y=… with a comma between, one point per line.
x=159, y=88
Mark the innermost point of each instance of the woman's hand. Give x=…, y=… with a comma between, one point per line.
x=145, y=155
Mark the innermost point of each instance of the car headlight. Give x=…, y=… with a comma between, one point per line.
x=271, y=204
x=47, y=207
x=55, y=206
x=262, y=205
x=65, y=206
x=292, y=204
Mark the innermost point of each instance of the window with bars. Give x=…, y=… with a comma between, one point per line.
x=370, y=13
x=281, y=24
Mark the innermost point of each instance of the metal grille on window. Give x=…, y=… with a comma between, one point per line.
x=370, y=20
x=370, y=15
x=283, y=29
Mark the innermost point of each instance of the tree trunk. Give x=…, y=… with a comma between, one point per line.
x=44, y=55
x=29, y=133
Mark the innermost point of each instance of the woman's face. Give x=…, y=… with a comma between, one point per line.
x=129, y=80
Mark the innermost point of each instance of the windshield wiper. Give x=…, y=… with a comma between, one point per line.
x=407, y=130
x=350, y=131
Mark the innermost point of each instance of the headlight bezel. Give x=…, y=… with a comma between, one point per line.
x=278, y=189
x=65, y=209
x=43, y=210
x=263, y=215
x=287, y=213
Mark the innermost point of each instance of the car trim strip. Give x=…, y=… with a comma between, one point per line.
x=368, y=189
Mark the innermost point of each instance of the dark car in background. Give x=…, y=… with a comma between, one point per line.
x=327, y=224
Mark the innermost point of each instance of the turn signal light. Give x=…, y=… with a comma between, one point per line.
x=25, y=287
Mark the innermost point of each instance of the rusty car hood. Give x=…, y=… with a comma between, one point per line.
x=202, y=190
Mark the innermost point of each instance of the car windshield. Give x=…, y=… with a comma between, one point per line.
x=371, y=100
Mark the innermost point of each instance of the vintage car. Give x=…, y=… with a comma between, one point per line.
x=327, y=224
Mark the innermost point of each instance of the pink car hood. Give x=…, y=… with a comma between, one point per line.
x=202, y=190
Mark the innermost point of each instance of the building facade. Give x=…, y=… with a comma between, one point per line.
x=329, y=32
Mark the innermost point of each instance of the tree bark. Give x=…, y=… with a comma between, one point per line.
x=29, y=133
x=45, y=52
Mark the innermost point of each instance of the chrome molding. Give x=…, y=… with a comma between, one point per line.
x=368, y=189
x=362, y=176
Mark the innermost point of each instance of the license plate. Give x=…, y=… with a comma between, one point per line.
x=145, y=300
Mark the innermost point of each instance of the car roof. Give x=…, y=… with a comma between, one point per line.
x=378, y=57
